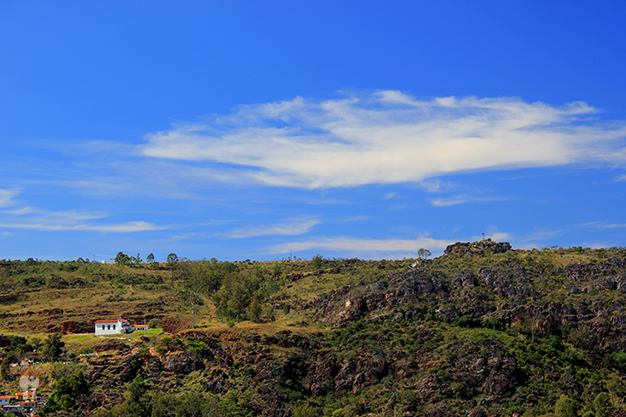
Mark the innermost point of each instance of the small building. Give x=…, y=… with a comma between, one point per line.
x=107, y=327
x=4, y=400
x=12, y=409
x=30, y=395
x=118, y=326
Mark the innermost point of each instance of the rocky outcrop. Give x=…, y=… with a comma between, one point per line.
x=70, y=327
x=179, y=362
x=112, y=344
x=459, y=248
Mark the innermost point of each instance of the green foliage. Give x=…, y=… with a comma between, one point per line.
x=65, y=392
x=304, y=409
x=602, y=405
x=154, y=323
x=5, y=367
x=255, y=309
x=618, y=360
x=276, y=269
x=85, y=350
x=172, y=260
x=122, y=259
x=234, y=405
x=196, y=346
x=566, y=407
x=423, y=254
x=53, y=346
x=317, y=261
x=138, y=402
x=239, y=297
x=192, y=404
x=582, y=337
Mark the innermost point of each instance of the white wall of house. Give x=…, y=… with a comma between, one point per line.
x=109, y=327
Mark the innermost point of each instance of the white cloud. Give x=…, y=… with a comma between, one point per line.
x=500, y=236
x=292, y=227
x=436, y=185
x=462, y=199
x=603, y=225
x=129, y=227
x=378, y=247
x=6, y=197
x=31, y=218
x=359, y=218
x=388, y=137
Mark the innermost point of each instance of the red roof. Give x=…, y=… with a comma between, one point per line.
x=106, y=321
x=5, y=396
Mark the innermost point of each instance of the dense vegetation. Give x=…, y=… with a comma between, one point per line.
x=482, y=330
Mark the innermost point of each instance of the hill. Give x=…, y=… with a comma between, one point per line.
x=483, y=330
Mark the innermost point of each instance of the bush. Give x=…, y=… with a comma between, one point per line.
x=566, y=407
x=85, y=350
x=317, y=261
x=154, y=323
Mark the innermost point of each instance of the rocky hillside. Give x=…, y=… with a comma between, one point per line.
x=483, y=330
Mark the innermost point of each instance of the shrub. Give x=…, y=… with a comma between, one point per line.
x=317, y=261
x=566, y=407
x=85, y=350
x=154, y=323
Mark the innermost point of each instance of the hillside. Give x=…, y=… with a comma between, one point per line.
x=483, y=330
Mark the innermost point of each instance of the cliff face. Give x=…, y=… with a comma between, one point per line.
x=556, y=300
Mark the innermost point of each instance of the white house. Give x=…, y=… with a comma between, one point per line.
x=106, y=327
x=117, y=326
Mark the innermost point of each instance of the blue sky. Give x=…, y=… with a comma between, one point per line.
x=255, y=129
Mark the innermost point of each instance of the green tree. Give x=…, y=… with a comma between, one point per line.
x=235, y=295
x=122, y=259
x=196, y=346
x=317, y=261
x=150, y=258
x=36, y=342
x=172, y=260
x=65, y=392
x=52, y=346
x=5, y=367
x=192, y=404
x=138, y=402
x=602, y=404
x=423, y=254
x=304, y=409
x=255, y=309
x=566, y=407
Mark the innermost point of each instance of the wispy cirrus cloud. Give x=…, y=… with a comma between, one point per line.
x=291, y=227
x=129, y=227
x=6, y=197
x=375, y=247
x=14, y=215
x=388, y=137
x=462, y=199
x=603, y=225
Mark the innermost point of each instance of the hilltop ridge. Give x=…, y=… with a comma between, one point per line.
x=483, y=330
